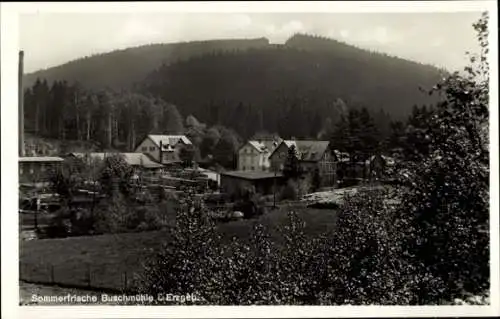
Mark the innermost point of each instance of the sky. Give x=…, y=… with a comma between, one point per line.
x=438, y=38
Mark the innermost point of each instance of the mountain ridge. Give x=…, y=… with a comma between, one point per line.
x=252, y=85
x=73, y=71
x=159, y=54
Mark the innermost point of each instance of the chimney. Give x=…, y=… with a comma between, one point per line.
x=161, y=152
x=21, y=103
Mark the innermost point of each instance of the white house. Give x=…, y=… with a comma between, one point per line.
x=254, y=155
x=170, y=146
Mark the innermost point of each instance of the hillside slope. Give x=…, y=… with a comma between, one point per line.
x=121, y=68
x=250, y=85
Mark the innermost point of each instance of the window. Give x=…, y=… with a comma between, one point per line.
x=244, y=168
x=21, y=170
x=253, y=168
x=151, y=148
x=42, y=168
x=144, y=148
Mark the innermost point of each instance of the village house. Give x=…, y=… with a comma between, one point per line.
x=38, y=169
x=264, y=183
x=164, y=149
x=254, y=155
x=313, y=155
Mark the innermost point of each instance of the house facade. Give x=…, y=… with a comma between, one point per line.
x=254, y=155
x=313, y=155
x=38, y=169
x=163, y=149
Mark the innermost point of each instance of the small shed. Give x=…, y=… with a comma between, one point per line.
x=263, y=182
x=37, y=169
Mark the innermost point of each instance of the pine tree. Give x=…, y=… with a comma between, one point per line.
x=291, y=166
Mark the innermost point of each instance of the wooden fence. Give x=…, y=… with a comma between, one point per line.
x=82, y=277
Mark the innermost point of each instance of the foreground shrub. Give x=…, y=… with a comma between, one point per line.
x=112, y=215
x=185, y=263
x=301, y=270
x=246, y=275
x=366, y=261
x=448, y=195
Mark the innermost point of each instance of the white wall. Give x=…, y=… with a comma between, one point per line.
x=249, y=157
x=150, y=148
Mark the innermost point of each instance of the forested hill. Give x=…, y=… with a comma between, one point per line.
x=120, y=69
x=291, y=88
x=295, y=89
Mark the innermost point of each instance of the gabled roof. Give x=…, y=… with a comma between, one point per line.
x=168, y=139
x=260, y=147
x=132, y=159
x=308, y=150
x=252, y=175
x=271, y=144
x=263, y=146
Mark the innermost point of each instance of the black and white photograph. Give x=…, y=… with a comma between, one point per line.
x=251, y=156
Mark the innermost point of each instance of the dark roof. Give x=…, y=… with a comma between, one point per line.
x=308, y=150
x=251, y=175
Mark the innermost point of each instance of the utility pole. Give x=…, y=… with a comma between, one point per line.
x=274, y=189
x=38, y=204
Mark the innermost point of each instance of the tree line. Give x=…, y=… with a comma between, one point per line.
x=113, y=119
x=119, y=120
x=290, y=88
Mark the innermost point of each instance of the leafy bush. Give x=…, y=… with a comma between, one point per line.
x=185, y=263
x=429, y=249
x=448, y=191
x=365, y=255
x=116, y=176
x=301, y=269
x=112, y=215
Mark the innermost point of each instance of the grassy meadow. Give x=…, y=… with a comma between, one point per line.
x=108, y=261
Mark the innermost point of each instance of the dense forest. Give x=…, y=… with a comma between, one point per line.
x=118, y=120
x=291, y=89
x=225, y=91
x=120, y=69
